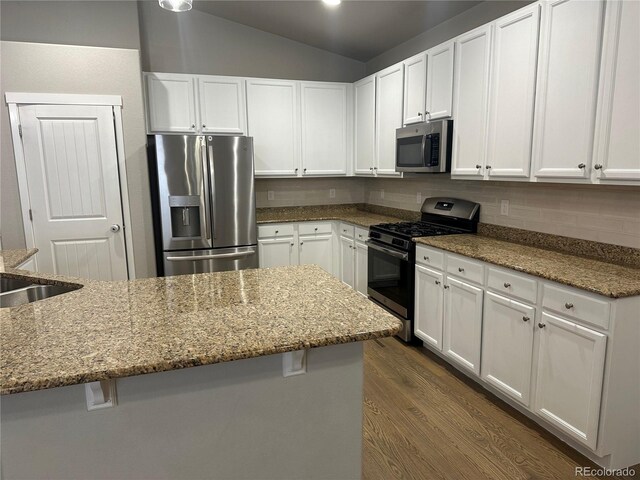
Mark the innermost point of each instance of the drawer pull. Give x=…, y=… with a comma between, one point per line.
x=426, y=258
x=446, y=286
x=541, y=325
x=507, y=284
x=315, y=229
x=276, y=231
x=460, y=269
x=525, y=319
x=568, y=306
x=437, y=282
x=292, y=244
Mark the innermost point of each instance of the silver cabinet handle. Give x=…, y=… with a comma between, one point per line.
x=375, y=168
x=427, y=113
x=315, y=229
x=210, y=257
x=568, y=305
x=541, y=325
x=371, y=168
x=277, y=231
x=506, y=285
x=292, y=244
x=204, y=126
x=446, y=286
x=115, y=228
x=460, y=269
x=478, y=166
x=304, y=170
x=426, y=258
x=488, y=167
x=581, y=165
x=525, y=319
x=419, y=114
x=437, y=282
x=301, y=243
x=296, y=170
x=597, y=166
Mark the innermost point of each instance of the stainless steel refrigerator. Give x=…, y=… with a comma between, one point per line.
x=204, y=205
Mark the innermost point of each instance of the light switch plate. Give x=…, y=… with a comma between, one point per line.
x=332, y=193
x=418, y=198
x=270, y=195
x=504, y=207
x=382, y=193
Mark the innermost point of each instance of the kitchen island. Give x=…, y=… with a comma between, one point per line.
x=235, y=416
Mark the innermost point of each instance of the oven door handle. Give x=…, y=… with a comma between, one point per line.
x=393, y=253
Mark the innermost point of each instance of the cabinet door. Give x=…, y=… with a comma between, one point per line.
x=507, y=346
x=566, y=88
x=462, y=324
x=415, y=80
x=317, y=249
x=364, y=93
x=429, y=307
x=440, y=81
x=617, y=152
x=273, y=119
x=223, y=105
x=277, y=252
x=388, y=118
x=513, y=82
x=171, y=105
x=324, y=128
x=361, y=251
x=569, y=380
x=347, y=267
x=471, y=91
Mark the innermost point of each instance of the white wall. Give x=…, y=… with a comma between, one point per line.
x=196, y=42
x=44, y=68
x=592, y=212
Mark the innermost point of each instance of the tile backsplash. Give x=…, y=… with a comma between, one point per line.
x=290, y=192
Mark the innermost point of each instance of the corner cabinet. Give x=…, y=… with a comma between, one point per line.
x=440, y=61
x=389, y=88
x=171, y=104
x=223, y=105
x=566, y=89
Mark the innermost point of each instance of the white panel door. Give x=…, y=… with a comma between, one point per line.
x=364, y=94
x=415, y=86
x=347, y=263
x=74, y=188
x=361, y=266
x=507, y=346
x=324, y=128
x=277, y=252
x=273, y=120
x=388, y=117
x=512, y=97
x=617, y=156
x=223, y=105
x=471, y=92
x=570, y=371
x=462, y=324
x=440, y=81
x=171, y=105
x=570, y=38
x=318, y=250
x=429, y=306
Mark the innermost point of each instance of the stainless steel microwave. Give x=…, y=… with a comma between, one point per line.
x=424, y=147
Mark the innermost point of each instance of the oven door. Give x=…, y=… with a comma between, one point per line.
x=389, y=278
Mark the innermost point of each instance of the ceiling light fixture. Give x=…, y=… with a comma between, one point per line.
x=176, y=5
x=332, y=3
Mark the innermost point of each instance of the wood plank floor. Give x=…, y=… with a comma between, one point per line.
x=425, y=420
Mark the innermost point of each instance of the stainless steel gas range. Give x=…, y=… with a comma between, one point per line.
x=392, y=253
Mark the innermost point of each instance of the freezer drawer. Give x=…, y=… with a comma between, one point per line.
x=203, y=261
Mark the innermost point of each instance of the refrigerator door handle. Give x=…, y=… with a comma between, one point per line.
x=212, y=175
x=205, y=185
x=211, y=257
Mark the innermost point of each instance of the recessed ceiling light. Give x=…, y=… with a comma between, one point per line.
x=176, y=5
x=332, y=3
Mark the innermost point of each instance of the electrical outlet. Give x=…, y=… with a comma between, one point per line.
x=382, y=194
x=270, y=195
x=418, y=198
x=332, y=193
x=504, y=207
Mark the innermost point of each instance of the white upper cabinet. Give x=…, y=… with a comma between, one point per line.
x=512, y=96
x=273, y=121
x=617, y=152
x=223, y=105
x=440, y=81
x=324, y=128
x=364, y=94
x=415, y=79
x=390, y=83
x=471, y=91
x=570, y=38
x=171, y=103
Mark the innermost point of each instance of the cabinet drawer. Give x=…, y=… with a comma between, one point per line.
x=347, y=230
x=312, y=228
x=464, y=268
x=429, y=257
x=513, y=285
x=279, y=230
x=569, y=303
x=362, y=234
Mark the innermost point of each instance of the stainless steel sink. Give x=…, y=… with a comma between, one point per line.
x=20, y=292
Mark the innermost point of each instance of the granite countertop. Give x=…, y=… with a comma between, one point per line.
x=343, y=213
x=603, y=278
x=14, y=257
x=117, y=329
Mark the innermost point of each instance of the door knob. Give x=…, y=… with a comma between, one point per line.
x=115, y=228
x=525, y=319
x=597, y=166
x=541, y=325
x=507, y=285
x=478, y=166
x=581, y=165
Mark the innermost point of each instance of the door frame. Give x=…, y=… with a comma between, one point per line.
x=16, y=99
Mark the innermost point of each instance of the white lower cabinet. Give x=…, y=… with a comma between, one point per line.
x=347, y=260
x=429, y=306
x=463, y=323
x=569, y=378
x=318, y=250
x=277, y=252
x=507, y=345
x=361, y=267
